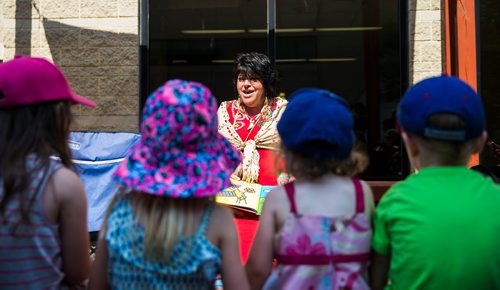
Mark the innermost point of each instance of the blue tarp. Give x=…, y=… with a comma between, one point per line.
x=96, y=156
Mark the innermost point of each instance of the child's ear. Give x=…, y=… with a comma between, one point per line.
x=480, y=142
x=411, y=149
x=410, y=144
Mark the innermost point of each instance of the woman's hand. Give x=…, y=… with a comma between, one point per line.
x=285, y=178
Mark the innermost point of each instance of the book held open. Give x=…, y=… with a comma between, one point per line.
x=244, y=196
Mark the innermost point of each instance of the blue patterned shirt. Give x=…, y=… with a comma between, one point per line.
x=194, y=263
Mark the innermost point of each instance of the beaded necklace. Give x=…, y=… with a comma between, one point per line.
x=239, y=114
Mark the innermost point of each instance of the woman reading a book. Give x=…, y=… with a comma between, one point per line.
x=249, y=123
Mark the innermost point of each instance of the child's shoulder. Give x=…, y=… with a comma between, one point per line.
x=221, y=212
x=277, y=198
x=221, y=225
x=66, y=184
x=369, y=199
x=366, y=187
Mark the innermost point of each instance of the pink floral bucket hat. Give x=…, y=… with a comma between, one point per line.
x=180, y=154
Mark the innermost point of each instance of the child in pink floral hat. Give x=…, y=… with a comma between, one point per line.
x=165, y=231
x=317, y=227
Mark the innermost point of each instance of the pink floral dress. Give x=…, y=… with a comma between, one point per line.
x=317, y=252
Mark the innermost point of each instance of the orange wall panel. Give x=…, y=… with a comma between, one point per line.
x=460, y=44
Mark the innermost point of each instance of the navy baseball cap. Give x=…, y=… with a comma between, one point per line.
x=317, y=123
x=443, y=94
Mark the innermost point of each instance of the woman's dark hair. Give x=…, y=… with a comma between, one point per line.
x=256, y=65
x=40, y=130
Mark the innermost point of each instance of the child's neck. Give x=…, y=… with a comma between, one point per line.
x=421, y=163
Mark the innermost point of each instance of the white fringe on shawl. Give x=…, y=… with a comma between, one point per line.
x=266, y=138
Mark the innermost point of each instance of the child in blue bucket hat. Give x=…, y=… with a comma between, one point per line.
x=165, y=231
x=317, y=227
x=439, y=228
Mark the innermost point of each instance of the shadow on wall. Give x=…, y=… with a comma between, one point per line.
x=23, y=39
x=100, y=65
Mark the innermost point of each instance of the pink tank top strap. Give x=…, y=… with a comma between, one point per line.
x=360, y=197
x=290, y=192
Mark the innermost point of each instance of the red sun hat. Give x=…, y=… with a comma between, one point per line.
x=30, y=80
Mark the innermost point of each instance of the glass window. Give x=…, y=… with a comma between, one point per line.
x=489, y=71
x=198, y=40
x=349, y=47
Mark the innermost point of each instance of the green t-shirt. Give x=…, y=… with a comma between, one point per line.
x=441, y=227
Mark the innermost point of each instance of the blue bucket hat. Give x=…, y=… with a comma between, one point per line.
x=442, y=94
x=317, y=123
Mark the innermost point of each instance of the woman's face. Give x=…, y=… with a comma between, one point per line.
x=251, y=91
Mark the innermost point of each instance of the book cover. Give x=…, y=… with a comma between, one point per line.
x=244, y=196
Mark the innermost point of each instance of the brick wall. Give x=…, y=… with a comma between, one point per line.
x=94, y=41
x=1, y=34
x=426, y=39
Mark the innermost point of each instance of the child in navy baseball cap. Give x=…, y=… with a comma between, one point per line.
x=442, y=95
x=434, y=230
x=318, y=227
x=318, y=128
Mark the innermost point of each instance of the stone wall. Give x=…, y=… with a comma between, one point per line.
x=426, y=39
x=95, y=42
x=1, y=34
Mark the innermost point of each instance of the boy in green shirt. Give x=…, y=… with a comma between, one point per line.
x=439, y=228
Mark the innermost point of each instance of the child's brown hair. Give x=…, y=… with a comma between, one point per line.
x=303, y=167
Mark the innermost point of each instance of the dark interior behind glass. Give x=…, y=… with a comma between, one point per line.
x=351, y=47
x=489, y=71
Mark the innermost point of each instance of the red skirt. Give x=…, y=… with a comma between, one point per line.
x=246, y=225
